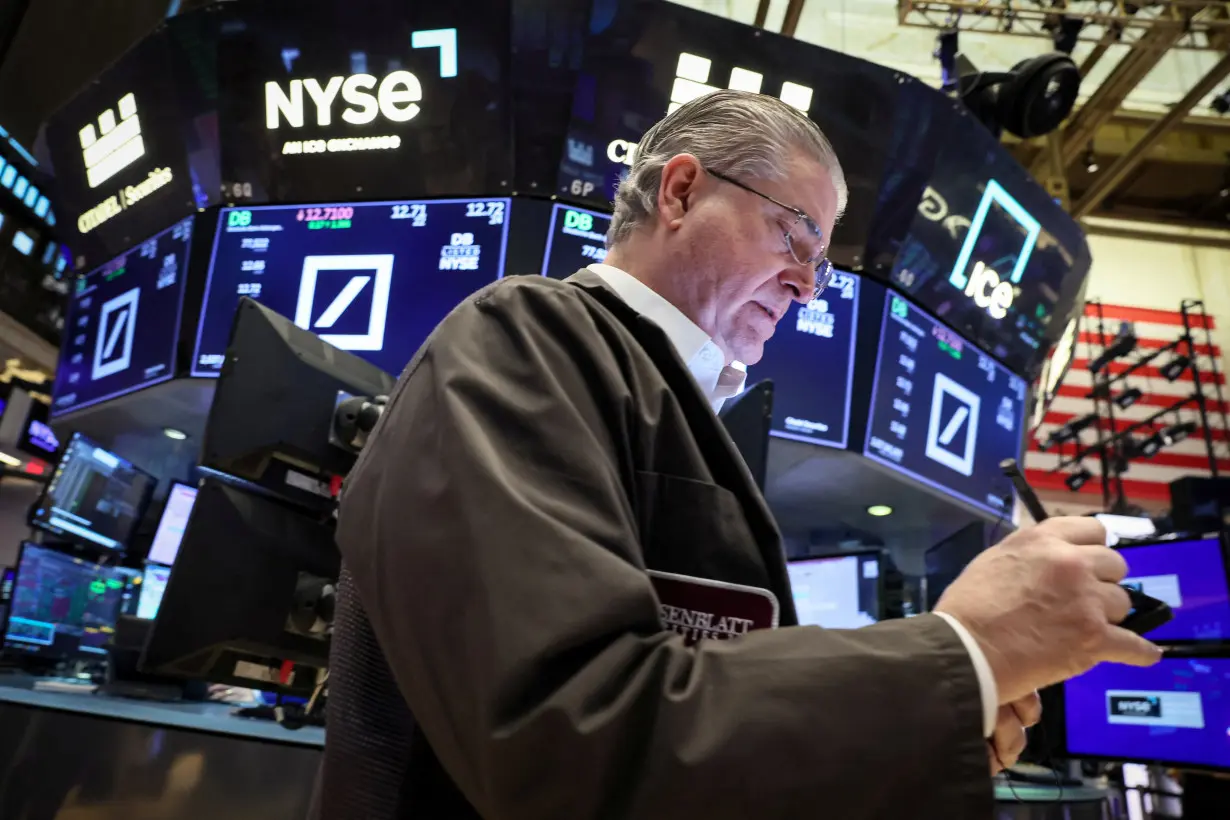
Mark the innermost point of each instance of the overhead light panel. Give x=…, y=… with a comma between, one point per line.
x=1128, y=397
x=1178, y=432
x=1123, y=345
x=1077, y=479
x=1174, y=368
x=879, y=510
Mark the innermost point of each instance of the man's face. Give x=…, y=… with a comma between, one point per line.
x=735, y=277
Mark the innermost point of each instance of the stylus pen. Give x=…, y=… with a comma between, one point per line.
x=1026, y=493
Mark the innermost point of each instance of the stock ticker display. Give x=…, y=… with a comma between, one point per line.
x=942, y=411
x=61, y=605
x=577, y=238
x=372, y=278
x=1176, y=712
x=811, y=362
x=122, y=323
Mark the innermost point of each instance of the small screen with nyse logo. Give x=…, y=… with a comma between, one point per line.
x=1177, y=712
x=943, y=411
x=372, y=278
x=810, y=359
x=122, y=323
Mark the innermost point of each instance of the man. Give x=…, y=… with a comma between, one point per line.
x=499, y=651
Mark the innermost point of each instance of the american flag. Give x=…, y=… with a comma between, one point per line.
x=1147, y=480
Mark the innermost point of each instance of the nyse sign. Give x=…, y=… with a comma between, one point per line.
x=394, y=98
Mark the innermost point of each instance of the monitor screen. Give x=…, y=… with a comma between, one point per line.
x=942, y=411
x=122, y=323
x=132, y=589
x=1191, y=577
x=37, y=438
x=811, y=362
x=172, y=524
x=837, y=591
x=94, y=496
x=6, y=584
x=372, y=278
x=1177, y=712
x=62, y=606
x=577, y=239
x=23, y=242
x=153, y=584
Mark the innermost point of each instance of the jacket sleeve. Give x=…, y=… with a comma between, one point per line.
x=492, y=540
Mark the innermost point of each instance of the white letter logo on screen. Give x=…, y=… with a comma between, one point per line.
x=117, y=324
x=115, y=145
x=952, y=432
x=380, y=268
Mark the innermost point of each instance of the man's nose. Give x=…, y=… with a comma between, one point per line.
x=801, y=281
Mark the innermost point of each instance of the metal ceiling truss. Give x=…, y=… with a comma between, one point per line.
x=1201, y=25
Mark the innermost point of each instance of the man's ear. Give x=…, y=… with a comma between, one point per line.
x=681, y=178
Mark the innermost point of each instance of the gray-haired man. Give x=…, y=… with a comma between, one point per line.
x=500, y=650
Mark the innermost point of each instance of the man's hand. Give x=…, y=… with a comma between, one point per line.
x=1009, y=739
x=1044, y=604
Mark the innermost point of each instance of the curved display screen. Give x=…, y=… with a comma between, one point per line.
x=373, y=278
x=943, y=411
x=122, y=323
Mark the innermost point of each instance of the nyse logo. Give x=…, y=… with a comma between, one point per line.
x=395, y=97
x=983, y=283
x=115, y=145
x=1135, y=706
x=117, y=324
x=375, y=270
x=952, y=433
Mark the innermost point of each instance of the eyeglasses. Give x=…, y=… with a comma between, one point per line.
x=803, y=238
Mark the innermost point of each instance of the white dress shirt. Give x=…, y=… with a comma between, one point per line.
x=719, y=381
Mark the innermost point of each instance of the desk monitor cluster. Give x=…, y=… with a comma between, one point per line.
x=1178, y=712
x=64, y=598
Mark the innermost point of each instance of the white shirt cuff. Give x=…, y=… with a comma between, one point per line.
x=986, y=680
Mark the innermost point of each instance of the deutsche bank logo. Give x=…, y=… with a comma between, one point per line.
x=117, y=324
x=363, y=269
x=952, y=433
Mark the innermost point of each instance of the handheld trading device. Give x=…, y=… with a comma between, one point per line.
x=1147, y=614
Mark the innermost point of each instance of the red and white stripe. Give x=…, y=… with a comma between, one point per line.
x=1146, y=479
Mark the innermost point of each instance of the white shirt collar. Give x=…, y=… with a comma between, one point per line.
x=718, y=380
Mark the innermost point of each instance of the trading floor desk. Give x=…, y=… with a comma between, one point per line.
x=67, y=756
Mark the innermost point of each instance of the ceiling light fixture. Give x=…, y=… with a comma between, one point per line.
x=879, y=510
x=174, y=434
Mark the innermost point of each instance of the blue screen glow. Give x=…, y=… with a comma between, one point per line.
x=942, y=411
x=371, y=278
x=23, y=242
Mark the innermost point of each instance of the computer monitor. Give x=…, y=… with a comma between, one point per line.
x=63, y=606
x=1191, y=576
x=243, y=605
x=272, y=417
x=172, y=523
x=131, y=594
x=153, y=585
x=747, y=418
x=6, y=584
x=94, y=497
x=839, y=591
x=1176, y=713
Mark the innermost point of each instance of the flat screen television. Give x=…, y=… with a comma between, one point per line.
x=121, y=327
x=372, y=278
x=94, y=496
x=942, y=411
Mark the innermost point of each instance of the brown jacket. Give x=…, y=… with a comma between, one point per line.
x=499, y=652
